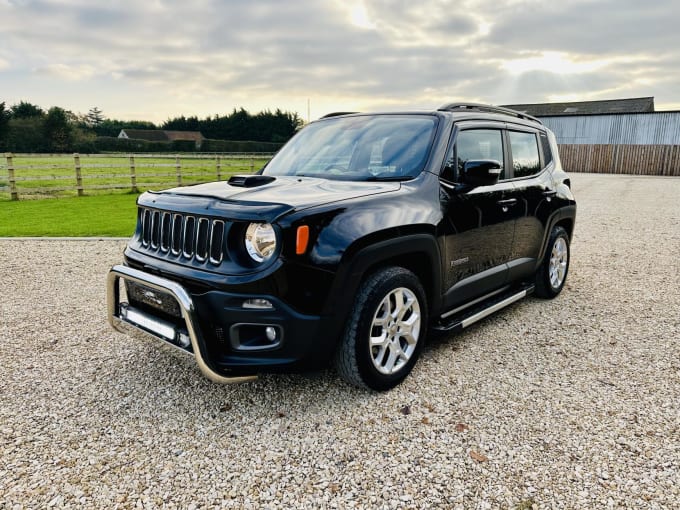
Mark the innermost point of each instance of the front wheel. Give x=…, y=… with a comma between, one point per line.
x=386, y=330
x=552, y=273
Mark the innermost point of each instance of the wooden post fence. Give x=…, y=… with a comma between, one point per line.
x=79, y=176
x=252, y=164
x=10, y=174
x=178, y=168
x=133, y=175
x=218, y=165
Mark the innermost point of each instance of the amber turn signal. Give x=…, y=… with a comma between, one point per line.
x=302, y=239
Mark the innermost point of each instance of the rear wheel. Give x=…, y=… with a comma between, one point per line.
x=552, y=273
x=386, y=330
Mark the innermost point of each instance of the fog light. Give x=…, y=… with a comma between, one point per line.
x=258, y=304
x=271, y=333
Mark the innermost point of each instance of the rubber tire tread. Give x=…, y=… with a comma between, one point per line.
x=346, y=361
x=543, y=289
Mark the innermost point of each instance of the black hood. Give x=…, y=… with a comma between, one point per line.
x=267, y=201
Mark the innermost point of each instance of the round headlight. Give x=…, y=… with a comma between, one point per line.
x=260, y=241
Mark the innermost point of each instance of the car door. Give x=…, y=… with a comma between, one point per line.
x=534, y=192
x=478, y=223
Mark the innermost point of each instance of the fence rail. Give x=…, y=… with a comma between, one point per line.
x=30, y=175
x=621, y=159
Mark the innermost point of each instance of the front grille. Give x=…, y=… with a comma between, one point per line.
x=184, y=236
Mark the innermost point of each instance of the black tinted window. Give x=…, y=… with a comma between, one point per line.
x=524, y=150
x=366, y=147
x=475, y=144
x=547, y=153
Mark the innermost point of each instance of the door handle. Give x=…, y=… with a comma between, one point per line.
x=549, y=193
x=509, y=201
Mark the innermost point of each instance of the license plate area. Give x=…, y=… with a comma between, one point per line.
x=152, y=300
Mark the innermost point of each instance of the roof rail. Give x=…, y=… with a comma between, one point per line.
x=487, y=108
x=337, y=114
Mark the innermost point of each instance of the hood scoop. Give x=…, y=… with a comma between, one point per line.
x=250, y=181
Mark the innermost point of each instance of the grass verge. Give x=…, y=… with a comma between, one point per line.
x=99, y=215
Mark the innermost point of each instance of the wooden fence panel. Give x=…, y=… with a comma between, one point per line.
x=621, y=159
x=31, y=177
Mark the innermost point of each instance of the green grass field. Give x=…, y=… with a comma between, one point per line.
x=99, y=215
x=42, y=176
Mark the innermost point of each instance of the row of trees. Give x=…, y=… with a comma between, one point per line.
x=265, y=126
x=25, y=127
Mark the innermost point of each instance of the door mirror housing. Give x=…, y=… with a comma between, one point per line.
x=481, y=172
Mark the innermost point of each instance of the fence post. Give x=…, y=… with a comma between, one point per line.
x=218, y=164
x=79, y=177
x=14, y=195
x=133, y=175
x=178, y=168
x=252, y=164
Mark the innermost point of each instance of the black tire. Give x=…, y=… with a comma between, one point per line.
x=375, y=367
x=550, y=278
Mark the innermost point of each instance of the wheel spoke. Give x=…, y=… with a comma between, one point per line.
x=557, y=268
x=379, y=340
x=395, y=330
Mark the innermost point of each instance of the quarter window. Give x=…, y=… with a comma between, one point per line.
x=547, y=153
x=524, y=151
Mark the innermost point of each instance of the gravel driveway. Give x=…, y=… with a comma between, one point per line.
x=572, y=403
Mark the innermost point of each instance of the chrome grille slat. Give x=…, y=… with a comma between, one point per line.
x=190, y=237
x=176, y=241
x=155, y=229
x=216, y=241
x=166, y=231
x=202, y=239
x=146, y=227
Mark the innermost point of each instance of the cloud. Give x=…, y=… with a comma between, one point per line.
x=207, y=55
x=67, y=72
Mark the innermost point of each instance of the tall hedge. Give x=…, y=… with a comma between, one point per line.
x=111, y=144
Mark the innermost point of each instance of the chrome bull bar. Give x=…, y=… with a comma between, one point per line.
x=186, y=306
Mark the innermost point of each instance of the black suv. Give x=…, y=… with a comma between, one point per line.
x=362, y=233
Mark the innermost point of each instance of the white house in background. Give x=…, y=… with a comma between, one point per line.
x=160, y=135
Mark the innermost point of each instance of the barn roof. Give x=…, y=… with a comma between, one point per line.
x=158, y=135
x=184, y=135
x=631, y=105
x=151, y=135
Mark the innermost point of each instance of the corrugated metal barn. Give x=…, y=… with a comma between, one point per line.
x=614, y=136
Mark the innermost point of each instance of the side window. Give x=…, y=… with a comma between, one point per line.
x=474, y=144
x=524, y=151
x=547, y=153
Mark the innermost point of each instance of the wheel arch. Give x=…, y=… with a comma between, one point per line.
x=565, y=218
x=418, y=252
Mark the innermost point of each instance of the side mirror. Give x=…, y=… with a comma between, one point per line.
x=481, y=172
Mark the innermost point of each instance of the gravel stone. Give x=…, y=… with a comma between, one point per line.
x=574, y=402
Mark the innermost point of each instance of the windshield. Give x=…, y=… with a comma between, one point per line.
x=362, y=148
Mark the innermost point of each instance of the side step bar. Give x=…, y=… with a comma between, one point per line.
x=494, y=303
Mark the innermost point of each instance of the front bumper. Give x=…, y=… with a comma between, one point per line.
x=210, y=325
x=187, y=309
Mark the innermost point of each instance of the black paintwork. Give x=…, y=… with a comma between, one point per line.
x=462, y=241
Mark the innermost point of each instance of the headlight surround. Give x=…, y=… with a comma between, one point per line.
x=260, y=241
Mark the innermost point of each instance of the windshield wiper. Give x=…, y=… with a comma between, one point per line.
x=388, y=178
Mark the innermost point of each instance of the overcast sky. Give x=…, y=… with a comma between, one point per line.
x=154, y=59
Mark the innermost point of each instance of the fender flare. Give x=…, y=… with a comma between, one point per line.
x=567, y=212
x=351, y=273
